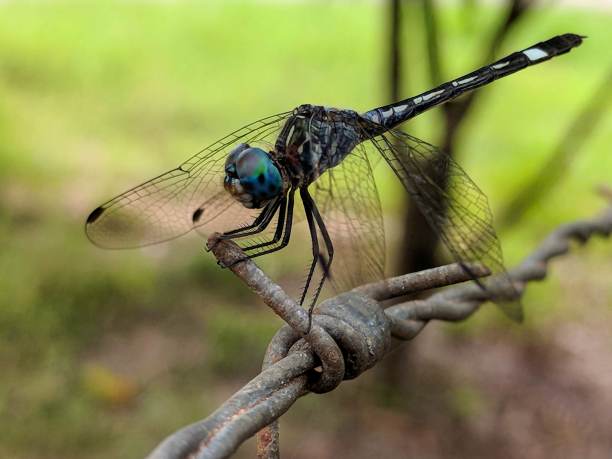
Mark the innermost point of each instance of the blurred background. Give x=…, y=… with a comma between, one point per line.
x=104, y=353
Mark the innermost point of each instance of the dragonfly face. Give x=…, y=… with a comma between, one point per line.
x=251, y=176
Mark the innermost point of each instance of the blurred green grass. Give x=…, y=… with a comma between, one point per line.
x=97, y=96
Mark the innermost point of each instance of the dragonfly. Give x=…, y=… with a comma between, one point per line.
x=247, y=187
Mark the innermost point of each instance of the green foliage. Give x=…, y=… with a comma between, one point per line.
x=236, y=339
x=96, y=96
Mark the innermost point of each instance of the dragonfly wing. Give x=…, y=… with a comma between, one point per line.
x=348, y=199
x=454, y=207
x=190, y=196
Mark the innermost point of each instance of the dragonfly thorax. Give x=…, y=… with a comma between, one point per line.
x=251, y=176
x=316, y=138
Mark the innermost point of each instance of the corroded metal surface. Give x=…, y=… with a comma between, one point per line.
x=350, y=334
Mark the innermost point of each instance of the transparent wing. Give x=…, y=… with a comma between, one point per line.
x=190, y=196
x=348, y=200
x=454, y=207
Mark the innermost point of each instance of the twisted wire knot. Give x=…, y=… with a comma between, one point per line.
x=350, y=334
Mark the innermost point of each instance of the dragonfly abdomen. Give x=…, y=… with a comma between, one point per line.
x=396, y=113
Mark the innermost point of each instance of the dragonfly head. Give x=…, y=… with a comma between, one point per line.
x=251, y=176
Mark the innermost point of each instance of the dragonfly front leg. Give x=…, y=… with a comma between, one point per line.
x=280, y=226
x=283, y=225
x=259, y=224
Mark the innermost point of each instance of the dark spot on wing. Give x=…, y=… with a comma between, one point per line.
x=272, y=188
x=247, y=186
x=261, y=178
x=95, y=214
x=197, y=214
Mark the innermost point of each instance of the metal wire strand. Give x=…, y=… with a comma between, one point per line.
x=351, y=333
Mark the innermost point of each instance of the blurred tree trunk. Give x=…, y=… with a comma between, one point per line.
x=393, y=365
x=395, y=57
x=419, y=242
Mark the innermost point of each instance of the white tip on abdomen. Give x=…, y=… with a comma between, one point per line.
x=535, y=54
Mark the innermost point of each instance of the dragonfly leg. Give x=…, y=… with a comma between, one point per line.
x=259, y=224
x=306, y=200
x=315, y=220
x=278, y=233
x=326, y=265
x=287, y=224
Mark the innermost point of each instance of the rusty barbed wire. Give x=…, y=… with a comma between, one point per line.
x=351, y=333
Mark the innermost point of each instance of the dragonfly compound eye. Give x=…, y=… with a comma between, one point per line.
x=251, y=176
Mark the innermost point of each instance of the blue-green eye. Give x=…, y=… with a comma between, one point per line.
x=251, y=176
